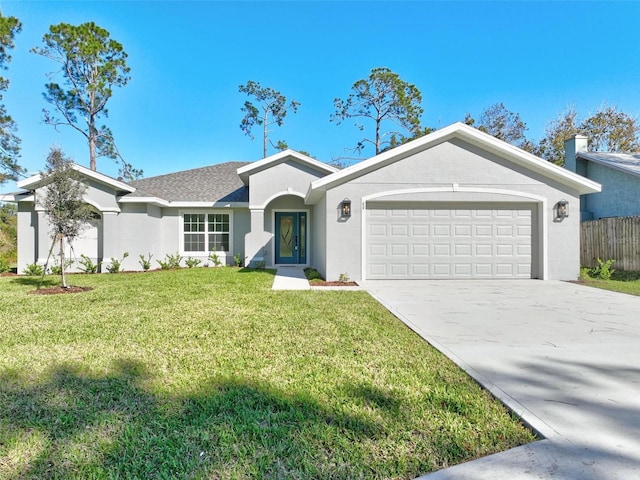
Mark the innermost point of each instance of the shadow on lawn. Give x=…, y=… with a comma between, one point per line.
x=48, y=281
x=70, y=424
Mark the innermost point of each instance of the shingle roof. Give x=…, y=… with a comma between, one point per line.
x=626, y=162
x=215, y=183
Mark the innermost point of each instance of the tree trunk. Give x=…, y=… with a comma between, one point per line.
x=378, y=136
x=264, y=135
x=93, y=133
x=92, y=148
x=64, y=280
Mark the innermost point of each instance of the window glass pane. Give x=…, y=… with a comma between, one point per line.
x=303, y=236
x=194, y=222
x=194, y=242
x=286, y=236
x=219, y=242
x=219, y=222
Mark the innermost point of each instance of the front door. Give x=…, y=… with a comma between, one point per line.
x=291, y=237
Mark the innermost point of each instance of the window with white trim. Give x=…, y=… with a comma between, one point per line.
x=205, y=232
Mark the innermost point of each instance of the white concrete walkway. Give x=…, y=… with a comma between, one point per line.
x=290, y=278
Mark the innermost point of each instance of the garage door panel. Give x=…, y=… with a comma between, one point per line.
x=377, y=230
x=462, y=269
x=441, y=270
x=504, y=230
x=399, y=250
x=483, y=230
x=462, y=250
x=462, y=230
x=420, y=269
x=400, y=230
x=420, y=230
x=377, y=250
x=442, y=250
x=449, y=243
x=399, y=270
x=400, y=213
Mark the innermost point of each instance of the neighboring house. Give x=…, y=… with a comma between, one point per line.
x=456, y=203
x=618, y=173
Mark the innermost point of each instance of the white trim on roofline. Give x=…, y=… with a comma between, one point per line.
x=159, y=202
x=9, y=197
x=468, y=134
x=245, y=171
x=36, y=180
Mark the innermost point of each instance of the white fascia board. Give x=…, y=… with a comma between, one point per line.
x=152, y=200
x=29, y=182
x=15, y=197
x=209, y=204
x=35, y=180
x=164, y=203
x=8, y=197
x=245, y=171
x=468, y=134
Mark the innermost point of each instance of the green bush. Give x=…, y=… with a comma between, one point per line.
x=4, y=265
x=145, y=263
x=191, y=262
x=114, y=266
x=56, y=268
x=171, y=262
x=33, y=270
x=87, y=265
x=215, y=259
x=237, y=259
x=312, y=274
x=603, y=271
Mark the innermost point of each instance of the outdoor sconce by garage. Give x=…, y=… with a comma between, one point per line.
x=562, y=209
x=345, y=208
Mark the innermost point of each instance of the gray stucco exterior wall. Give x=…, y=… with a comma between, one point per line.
x=281, y=187
x=440, y=168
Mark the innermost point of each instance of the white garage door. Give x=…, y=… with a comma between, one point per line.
x=469, y=242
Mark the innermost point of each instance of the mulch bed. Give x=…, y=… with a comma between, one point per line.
x=59, y=289
x=333, y=284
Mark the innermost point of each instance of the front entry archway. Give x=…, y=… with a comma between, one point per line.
x=290, y=237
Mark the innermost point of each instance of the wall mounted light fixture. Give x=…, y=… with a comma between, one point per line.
x=345, y=208
x=562, y=209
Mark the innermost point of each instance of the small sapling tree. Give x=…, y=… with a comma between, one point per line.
x=62, y=201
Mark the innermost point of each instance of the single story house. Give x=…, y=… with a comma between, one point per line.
x=456, y=203
x=618, y=174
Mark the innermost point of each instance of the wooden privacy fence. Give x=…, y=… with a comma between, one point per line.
x=615, y=238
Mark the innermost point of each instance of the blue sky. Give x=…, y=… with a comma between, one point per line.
x=182, y=107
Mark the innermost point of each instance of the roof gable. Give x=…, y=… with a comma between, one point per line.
x=624, y=162
x=467, y=134
x=281, y=157
x=37, y=181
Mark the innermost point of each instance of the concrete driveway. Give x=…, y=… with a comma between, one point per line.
x=564, y=357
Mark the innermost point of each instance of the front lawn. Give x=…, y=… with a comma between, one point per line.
x=624, y=282
x=207, y=373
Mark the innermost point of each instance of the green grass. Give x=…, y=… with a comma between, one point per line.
x=624, y=282
x=207, y=373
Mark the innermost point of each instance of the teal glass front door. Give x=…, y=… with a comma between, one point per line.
x=291, y=237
